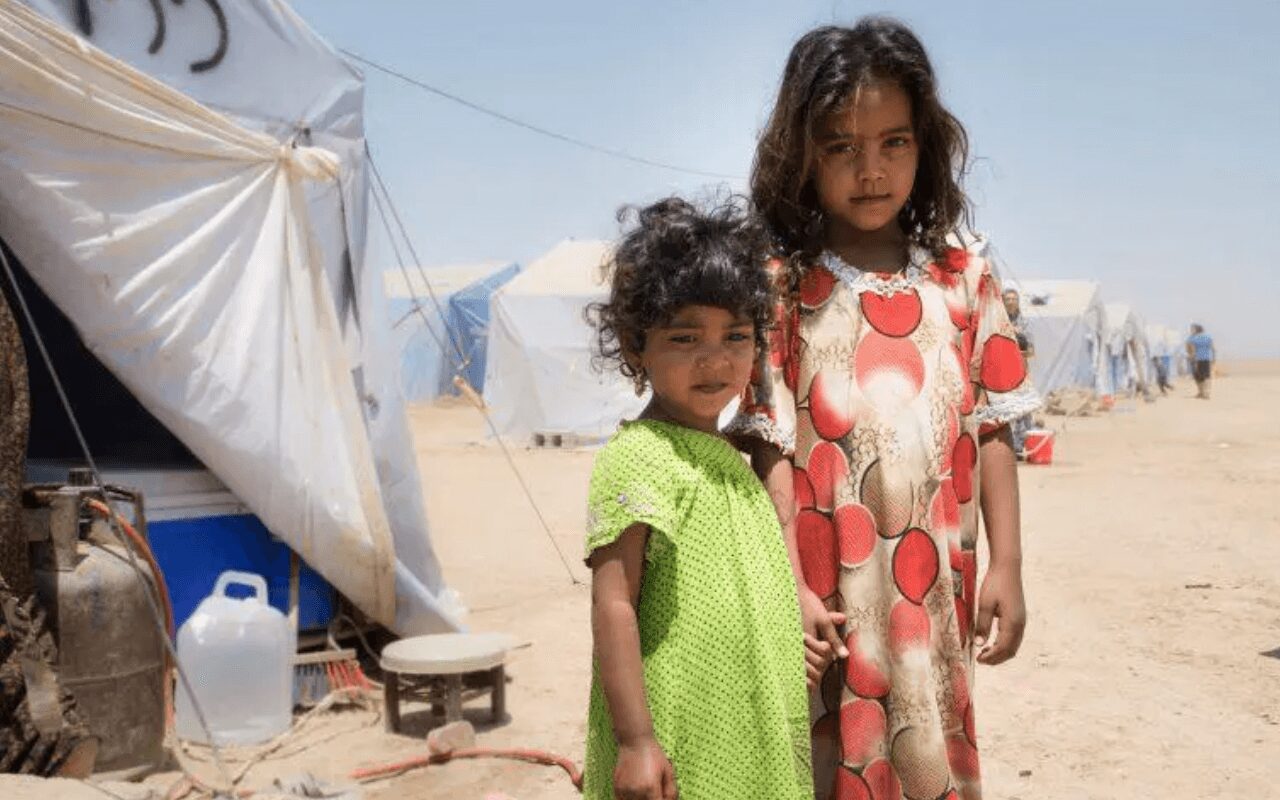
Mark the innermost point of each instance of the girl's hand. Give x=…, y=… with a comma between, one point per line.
x=1001, y=598
x=822, y=643
x=644, y=772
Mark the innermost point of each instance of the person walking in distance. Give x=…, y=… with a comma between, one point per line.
x=1201, y=353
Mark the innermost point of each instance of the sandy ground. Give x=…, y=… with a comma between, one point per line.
x=1153, y=578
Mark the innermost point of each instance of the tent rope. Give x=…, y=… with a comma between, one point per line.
x=484, y=412
x=585, y=145
x=416, y=309
x=422, y=273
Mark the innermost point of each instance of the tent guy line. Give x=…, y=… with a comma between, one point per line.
x=595, y=148
x=380, y=184
x=417, y=308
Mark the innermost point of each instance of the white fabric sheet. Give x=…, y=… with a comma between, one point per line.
x=214, y=264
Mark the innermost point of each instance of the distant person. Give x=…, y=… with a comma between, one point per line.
x=881, y=416
x=1162, y=363
x=1013, y=307
x=699, y=681
x=1201, y=353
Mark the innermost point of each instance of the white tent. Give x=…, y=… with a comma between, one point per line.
x=1066, y=321
x=192, y=195
x=431, y=347
x=1128, y=349
x=540, y=377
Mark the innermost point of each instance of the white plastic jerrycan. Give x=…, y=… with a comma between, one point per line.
x=238, y=656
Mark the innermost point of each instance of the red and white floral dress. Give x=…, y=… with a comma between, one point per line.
x=880, y=386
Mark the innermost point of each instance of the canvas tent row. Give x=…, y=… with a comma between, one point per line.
x=1066, y=322
x=440, y=324
x=201, y=221
x=1128, y=351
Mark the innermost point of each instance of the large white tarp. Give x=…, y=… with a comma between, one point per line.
x=203, y=227
x=1066, y=321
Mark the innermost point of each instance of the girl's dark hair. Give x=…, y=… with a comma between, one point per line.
x=823, y=72
x=675, y=255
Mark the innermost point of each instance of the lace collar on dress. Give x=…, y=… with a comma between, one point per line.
x=878, y=282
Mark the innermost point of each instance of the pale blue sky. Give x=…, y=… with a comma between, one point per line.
x=1130, y=142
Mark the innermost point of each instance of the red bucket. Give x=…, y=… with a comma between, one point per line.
x=1038, y=446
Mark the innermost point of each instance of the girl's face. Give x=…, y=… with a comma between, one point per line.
x=698, y=362
x=867, y=159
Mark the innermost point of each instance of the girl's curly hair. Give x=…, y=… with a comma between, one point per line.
x=673, y=255
x=825, y=68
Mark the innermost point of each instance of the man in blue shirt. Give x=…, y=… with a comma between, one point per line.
x=1202, y=355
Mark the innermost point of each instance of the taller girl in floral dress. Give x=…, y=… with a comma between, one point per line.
x=879, y=420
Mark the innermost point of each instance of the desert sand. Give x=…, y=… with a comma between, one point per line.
x=1152, y=571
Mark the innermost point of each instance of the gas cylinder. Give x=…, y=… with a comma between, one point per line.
x=110, y=649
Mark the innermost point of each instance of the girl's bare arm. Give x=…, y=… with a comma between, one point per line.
x=643, y=769
x=615, y=591
x=1001, y=596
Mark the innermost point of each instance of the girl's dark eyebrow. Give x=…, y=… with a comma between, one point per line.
x=837, y=135
x=679, y=326
x=831, y=136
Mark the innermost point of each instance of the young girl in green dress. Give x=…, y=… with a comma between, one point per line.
x=699, y=680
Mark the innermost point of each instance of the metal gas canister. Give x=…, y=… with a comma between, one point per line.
x=110, y=650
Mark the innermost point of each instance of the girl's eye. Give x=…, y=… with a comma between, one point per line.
x=841, y=149
x=897, y=141
x=740, y=337
x=683, y=338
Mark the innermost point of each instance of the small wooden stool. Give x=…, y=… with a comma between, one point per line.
x=444, y=662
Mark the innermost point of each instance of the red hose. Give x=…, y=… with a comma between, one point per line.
x=140, y=546
x=528, y=756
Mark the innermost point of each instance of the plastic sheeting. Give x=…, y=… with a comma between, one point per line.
x=1066, y=321
x=212, y=260
x=438, y=327
x=469, y=320
x=540, y=378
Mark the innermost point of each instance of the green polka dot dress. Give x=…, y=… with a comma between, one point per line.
x=720, y=630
